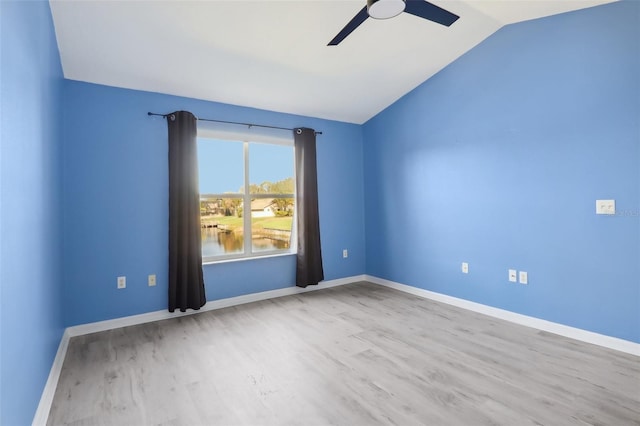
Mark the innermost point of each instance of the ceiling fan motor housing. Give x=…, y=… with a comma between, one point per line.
x=385, y=9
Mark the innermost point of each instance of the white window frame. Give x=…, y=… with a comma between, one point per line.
x=225, y=132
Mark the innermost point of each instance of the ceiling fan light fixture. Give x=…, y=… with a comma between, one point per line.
x=385, y=9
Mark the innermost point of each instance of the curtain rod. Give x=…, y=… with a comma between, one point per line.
x=249, y=125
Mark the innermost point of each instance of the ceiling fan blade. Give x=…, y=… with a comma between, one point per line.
x=426, y=10
x=352, y=25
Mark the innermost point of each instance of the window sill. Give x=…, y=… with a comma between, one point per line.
x=243, y=259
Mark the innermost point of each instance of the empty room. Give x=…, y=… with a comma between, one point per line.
x=318, y=212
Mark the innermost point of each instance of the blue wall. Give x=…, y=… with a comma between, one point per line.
x=116, y=193
x=498, y=160
x=30, y=219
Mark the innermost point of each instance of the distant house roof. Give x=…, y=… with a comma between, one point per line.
x=260, y=204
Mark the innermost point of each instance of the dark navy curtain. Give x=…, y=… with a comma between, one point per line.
x=186, y=283
x=309, y=260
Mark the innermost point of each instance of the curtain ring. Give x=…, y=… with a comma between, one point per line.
x=172, y=117
x=299, y=131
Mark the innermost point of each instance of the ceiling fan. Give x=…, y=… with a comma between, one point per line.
x=384, y=9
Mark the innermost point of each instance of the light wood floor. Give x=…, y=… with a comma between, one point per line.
x=358, y=354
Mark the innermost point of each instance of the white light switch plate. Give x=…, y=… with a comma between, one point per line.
x=122, y=282
x=465, y=268
x=524, y=278
x=151, y=280
x=513, y=275
x=605, y=206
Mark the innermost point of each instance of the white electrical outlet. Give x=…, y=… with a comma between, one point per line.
x=465, y=268
x=605, y=206
x=513, y=275
x=345, y=253
x=524, y=278
x=122, y=282
x=151, y=280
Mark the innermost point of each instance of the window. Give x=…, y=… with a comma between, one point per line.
x=247, y=198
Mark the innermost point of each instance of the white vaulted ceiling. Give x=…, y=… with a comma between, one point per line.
x=273, y=54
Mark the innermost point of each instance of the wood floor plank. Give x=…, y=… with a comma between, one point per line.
x=359, y=354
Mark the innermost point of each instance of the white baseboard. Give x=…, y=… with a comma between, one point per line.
x=537, y=323
x=42, y=413
x=94, y=327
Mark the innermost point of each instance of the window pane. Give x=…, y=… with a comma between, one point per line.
x=270, y=169
x=223, y=205
x=271, y=223
x=220, y=166
x=222, y=226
